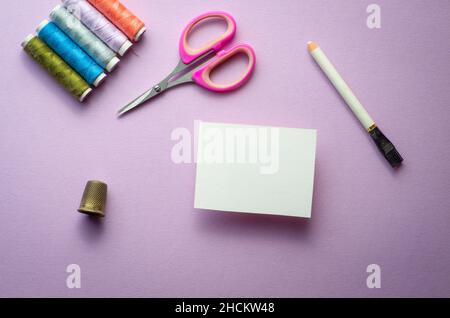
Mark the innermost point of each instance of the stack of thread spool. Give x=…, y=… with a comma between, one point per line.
x=80, y=43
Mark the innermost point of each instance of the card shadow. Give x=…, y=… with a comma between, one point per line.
x=249, y=225
x=262, y=225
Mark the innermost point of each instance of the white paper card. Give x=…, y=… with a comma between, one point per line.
x=255, y=169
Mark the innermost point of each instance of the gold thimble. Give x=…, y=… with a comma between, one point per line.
x=94, y=199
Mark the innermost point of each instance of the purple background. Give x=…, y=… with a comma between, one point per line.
x=152, y=242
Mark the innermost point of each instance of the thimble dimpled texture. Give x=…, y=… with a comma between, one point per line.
x=94, y=198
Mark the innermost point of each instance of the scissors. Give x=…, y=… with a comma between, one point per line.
x=188, y=69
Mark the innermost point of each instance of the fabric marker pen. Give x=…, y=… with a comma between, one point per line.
x=384, y=145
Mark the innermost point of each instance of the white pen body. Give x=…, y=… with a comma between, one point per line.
x=343, y=89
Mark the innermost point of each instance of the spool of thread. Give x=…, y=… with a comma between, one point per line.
x=70, y=52
x=85, y=39
x=124, y=19
x=99, y=25
x=56, y=67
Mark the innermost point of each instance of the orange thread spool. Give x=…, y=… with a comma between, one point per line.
x=123, y=18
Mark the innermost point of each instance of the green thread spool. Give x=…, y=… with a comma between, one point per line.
x=56, y=67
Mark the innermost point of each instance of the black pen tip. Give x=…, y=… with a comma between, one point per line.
x=386, y=147
x=394, y=158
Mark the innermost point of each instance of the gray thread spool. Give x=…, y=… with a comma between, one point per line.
x=81, y=35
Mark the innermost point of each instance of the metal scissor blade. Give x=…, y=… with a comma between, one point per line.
x=180, y=75
x=139, y=101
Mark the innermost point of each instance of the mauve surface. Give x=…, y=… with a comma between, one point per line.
x=152, y=242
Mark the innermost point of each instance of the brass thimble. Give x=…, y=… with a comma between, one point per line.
x=94, y=199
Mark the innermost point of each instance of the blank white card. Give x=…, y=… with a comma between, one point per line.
x=255, y=169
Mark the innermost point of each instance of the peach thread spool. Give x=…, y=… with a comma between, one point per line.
x=124, y=19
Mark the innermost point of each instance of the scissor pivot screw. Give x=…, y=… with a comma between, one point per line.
x=157, y=88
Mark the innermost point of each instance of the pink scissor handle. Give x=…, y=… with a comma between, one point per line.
x=202, y=76
x=189, y=54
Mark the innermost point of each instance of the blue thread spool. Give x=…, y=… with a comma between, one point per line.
x=70, y=52
x=84, y=38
